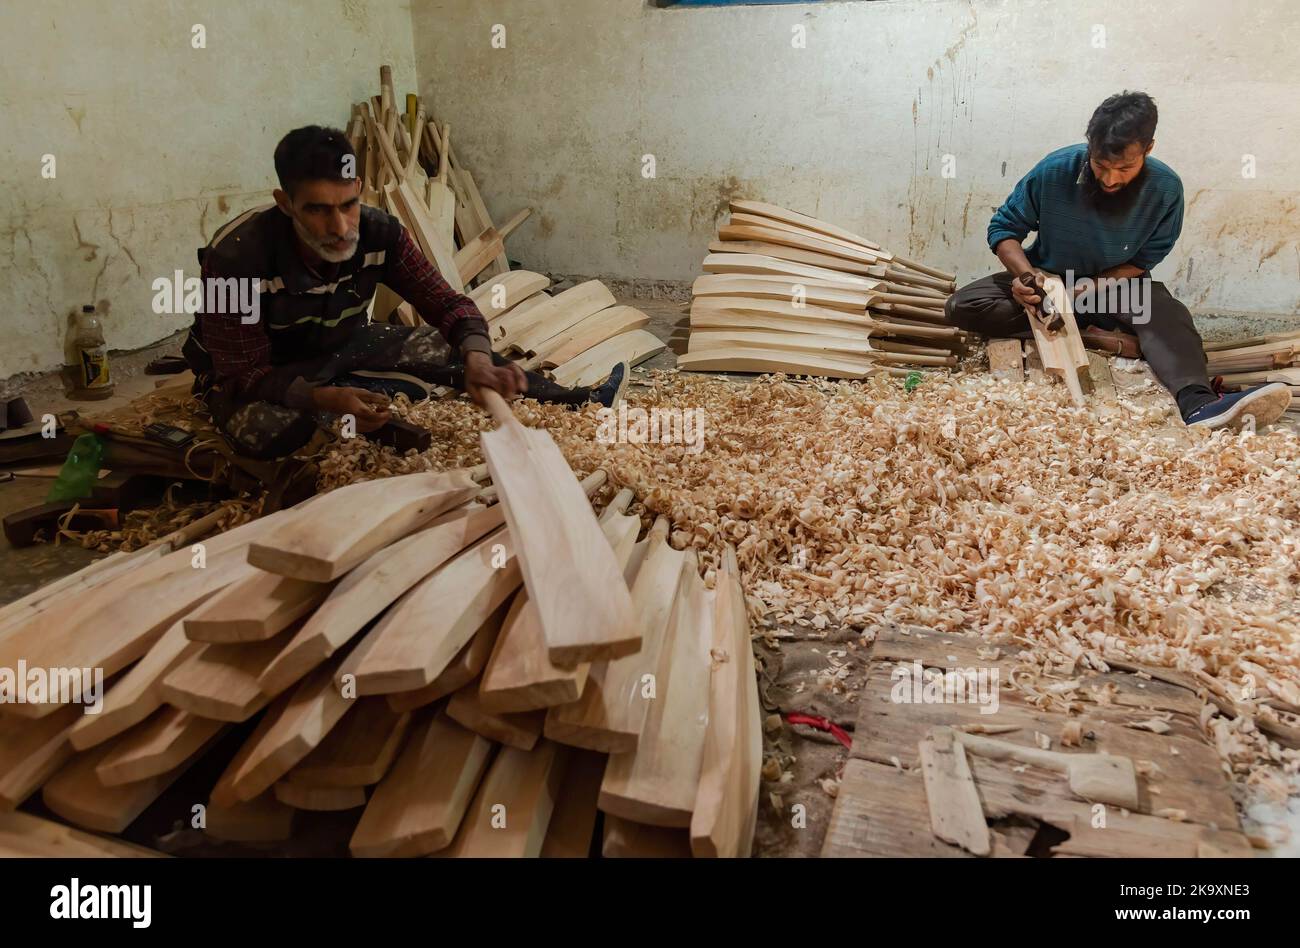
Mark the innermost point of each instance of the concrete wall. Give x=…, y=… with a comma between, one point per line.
x=156, y=143
x=854, y=127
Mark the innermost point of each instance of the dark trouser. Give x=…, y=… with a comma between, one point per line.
x=1170, y=343
x=265, y=430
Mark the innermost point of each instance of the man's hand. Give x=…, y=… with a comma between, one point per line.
x=1026, y=296
x=508, y=381
x=370, y=409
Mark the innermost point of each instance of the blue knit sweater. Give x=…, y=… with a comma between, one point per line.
x=1072, y=234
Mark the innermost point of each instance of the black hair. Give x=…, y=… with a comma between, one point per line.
x=313, y=153
x=1119, y=122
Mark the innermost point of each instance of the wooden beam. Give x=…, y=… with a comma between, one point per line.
x=573, y=821
x=799, y=291
x=358, y=751
x=805, y=221
x=25, y=835
x=521, y=730
x=33, y=751
x=221, y=681
x=589, y=332
x=78, y=795
x=496, y=297
x=763, y=265
x=464, y=668
x=153, y=748
x=254, y=609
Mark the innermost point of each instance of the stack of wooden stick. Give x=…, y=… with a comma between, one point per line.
x=785, y=292
x=1246, y=362
x=408, y=166
x=384, y=644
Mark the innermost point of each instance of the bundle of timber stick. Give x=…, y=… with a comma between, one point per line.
x=1246, y=362
x=408, y=167
x=401, y=662
x=784, y=292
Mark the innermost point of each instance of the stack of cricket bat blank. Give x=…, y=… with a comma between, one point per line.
x=409, y=167
x=784, y=292
x=1247, y=362
x=388, y=639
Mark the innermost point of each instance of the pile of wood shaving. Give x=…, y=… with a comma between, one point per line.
x=969, y=505
x=144, y=526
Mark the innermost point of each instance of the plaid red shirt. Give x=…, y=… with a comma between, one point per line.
x=242, y=353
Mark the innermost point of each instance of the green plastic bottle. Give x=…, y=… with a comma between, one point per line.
x=80, y=470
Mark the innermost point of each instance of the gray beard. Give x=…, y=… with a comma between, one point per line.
x=329, y=256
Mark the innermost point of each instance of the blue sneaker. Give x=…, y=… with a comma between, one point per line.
x=1264, y=403
x=610, y=392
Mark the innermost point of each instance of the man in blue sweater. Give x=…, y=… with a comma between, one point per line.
x=1106, y=213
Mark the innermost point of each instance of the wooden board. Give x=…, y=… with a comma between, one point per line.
x=221, y=681
x=726, y=805
x=27, y=836
x=762, y=265
x=254, y=609
x=291, y=729
x=471, y=213
x=789, y=361
x=591, y=331
x=594, y=365
x=702, y=340
x=519, y=676
x=352, y=523
x=1062, y=352
x=776, y=212
x=358, y=751
x=785, y=238
x=303, y=796
x=138, y=693
x=512, y=808
x=32, y=751
x=798, y=291
x=611, y=714
x=785, y=309
x=708, y=319
x=152, y=748
x=122, y=629
x=795, y=255
x=1006, y=359
x=78, y=795
x=523, y=330
x=374, y=585
x=755, y=220
x=573, y=821
x=627, y=840
x=955, y=813
x=584, y=607
x=509, y=289
x=424, y=630
x=657, y=783
x=464, y=668
x=521, y=730
x=418, y=807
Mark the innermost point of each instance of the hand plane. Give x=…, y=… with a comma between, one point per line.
x=1049, y=318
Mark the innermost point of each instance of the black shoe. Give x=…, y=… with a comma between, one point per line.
x=1265, y=403
x=610, y=392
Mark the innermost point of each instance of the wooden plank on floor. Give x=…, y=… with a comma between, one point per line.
x=418, y=807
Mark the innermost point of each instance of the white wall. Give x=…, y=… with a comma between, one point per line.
x=853, y=128
x=156, y=143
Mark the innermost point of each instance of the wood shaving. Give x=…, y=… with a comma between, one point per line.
x=1039, y=523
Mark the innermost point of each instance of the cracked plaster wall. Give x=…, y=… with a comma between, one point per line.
x=156, y=143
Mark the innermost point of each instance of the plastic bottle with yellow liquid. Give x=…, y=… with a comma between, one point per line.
x=92, y=377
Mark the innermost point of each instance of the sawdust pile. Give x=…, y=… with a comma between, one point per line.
x=969, y=505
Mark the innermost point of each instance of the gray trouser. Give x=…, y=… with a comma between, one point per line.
x=265, y=430
x=1170, y=343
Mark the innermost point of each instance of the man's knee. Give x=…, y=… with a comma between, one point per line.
x=262, y=430
x=981, y=307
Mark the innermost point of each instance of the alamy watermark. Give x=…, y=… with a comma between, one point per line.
x=915, y=684
x=630, y=425
x=1129, y=297
x=35, y=685
x=212, y=296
